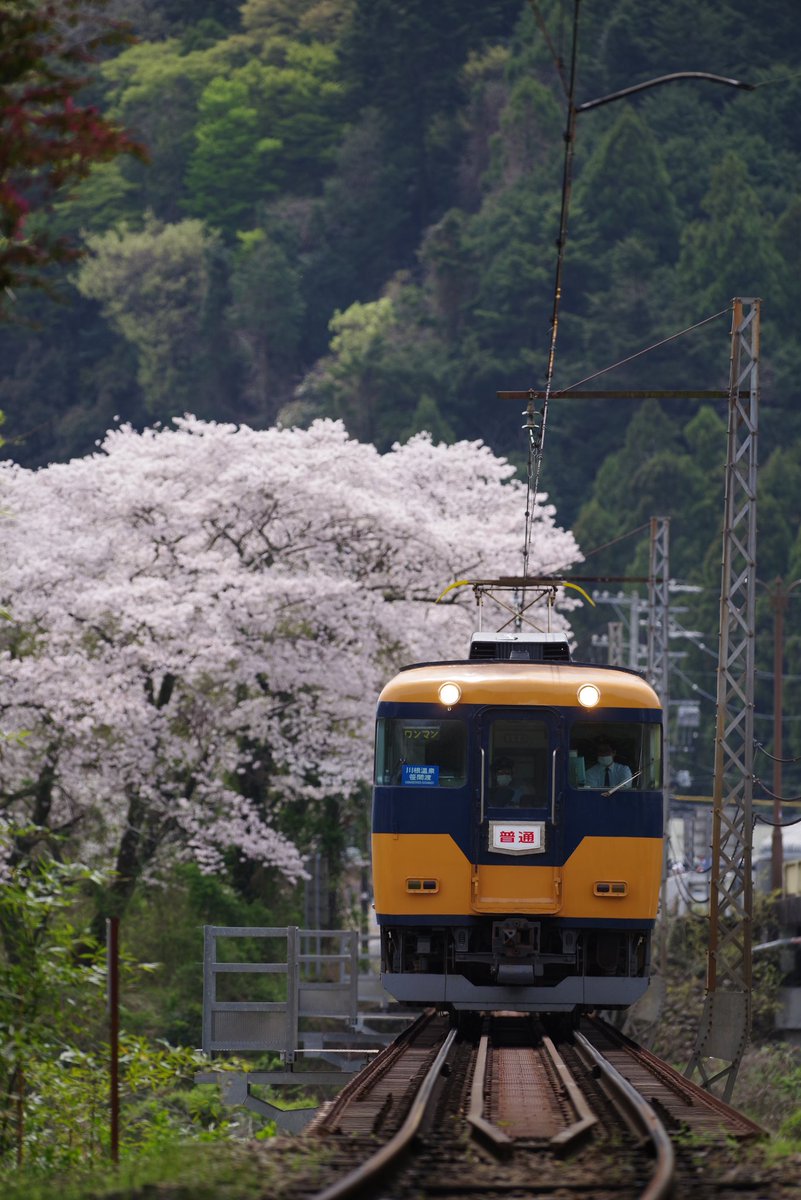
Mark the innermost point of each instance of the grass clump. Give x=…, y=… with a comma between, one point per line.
x=223, y=1171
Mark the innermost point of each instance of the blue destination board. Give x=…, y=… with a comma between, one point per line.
x=416, y=776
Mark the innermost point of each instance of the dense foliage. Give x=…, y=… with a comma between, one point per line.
x=54, y=1052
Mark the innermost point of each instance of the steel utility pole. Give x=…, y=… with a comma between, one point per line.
x=641, y=1020
x=615, y=649
x=726, y=1020
x=776, y=844
x=659, y=620
x=779, y=598
x=658, y=677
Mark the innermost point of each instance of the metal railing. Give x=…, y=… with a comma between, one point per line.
x=320, y=970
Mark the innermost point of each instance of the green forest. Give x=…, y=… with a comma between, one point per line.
x=349, y=209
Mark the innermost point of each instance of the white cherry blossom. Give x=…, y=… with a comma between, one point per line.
x=202, y=617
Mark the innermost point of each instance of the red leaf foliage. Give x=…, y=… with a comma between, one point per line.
x=49, y=140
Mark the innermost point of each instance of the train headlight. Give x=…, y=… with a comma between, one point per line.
x=588, y=695
x=450, y=694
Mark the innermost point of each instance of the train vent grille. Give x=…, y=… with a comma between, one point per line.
x=486, y=648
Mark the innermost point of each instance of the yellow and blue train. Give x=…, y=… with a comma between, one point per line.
x=517, y=829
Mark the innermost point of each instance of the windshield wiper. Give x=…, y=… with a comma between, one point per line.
x=623, y=783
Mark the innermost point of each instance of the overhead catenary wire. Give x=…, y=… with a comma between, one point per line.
x=779, y=79
x=536, y=434
x=762, y=820
x=773, y=796
x=621, y=537
x=785, y=761
x=696, y=688
x=555, y=55
x=648, y=349
x=597, y=549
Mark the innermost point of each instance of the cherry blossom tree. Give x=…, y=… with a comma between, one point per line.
x=202, y=617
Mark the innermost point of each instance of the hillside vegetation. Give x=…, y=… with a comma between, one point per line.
x=350, y=209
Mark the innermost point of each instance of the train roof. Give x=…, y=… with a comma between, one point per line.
x=510, y=682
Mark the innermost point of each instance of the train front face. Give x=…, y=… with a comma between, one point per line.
x=509, y=870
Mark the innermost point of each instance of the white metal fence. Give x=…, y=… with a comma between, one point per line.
x=317, y=971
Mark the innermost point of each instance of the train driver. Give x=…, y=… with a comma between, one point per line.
x=505, y=793
x=606, y=773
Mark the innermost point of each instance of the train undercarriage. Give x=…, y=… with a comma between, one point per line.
x=531, y=965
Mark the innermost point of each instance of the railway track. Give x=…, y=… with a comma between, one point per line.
x=512, y=1109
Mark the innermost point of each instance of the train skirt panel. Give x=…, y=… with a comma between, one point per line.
x=459, y=993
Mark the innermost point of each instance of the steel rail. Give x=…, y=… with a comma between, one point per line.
x=369, y=1170
x=369, y=1076
x=739, y=1125
x=585, y=1117
x=661, y=1182
x=497, y=1140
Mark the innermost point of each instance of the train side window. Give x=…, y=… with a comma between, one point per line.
x=634, y=746
x=413, y=752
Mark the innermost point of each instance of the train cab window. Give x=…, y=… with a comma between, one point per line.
x=615, y=755
x=421, y=752
x=518, y=763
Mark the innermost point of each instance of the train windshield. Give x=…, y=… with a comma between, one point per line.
x=611, y=755
x=518, y=762
x=421, y=753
